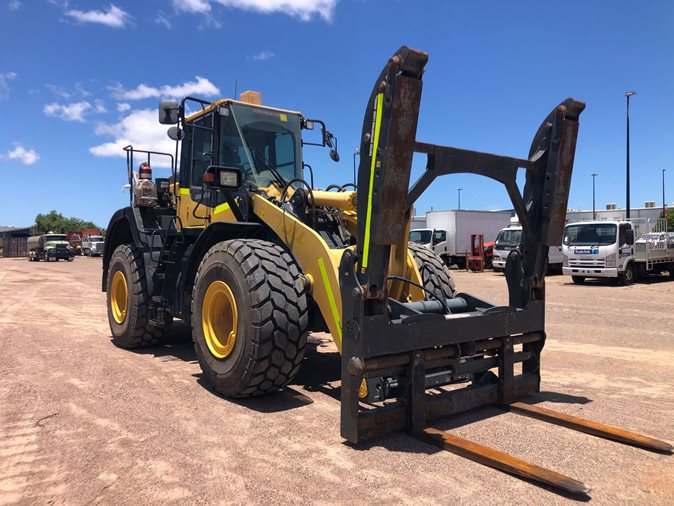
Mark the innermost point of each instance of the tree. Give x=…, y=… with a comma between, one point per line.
x=56, y=222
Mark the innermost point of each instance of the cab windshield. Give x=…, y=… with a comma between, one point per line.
x=585, y=234
x=264, y=143
x=421, y=236
x=51, y=238
x=508, y=238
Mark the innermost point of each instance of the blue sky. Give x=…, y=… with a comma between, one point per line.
x=79, y=79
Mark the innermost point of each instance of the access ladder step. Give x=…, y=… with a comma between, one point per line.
x=499, y=460
x=590, y=427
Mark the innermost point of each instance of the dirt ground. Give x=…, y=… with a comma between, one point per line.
x=84, y=422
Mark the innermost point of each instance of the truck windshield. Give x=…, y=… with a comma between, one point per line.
x=270, y=144
x=590, y=234
x=421, y=236
x=50, y=238
x=508, y=238
x=96, y=238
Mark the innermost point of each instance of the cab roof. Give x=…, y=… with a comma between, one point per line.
x=217, y=103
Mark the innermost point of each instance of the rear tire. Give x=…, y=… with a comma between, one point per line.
x=579, y=280
x=249, y=317
x=435, y=274
x=127, y=301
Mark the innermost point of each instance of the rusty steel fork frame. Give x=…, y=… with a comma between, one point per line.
x=387, y=338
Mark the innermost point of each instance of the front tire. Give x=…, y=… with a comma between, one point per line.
x=579, y=280
x=627, y=277
x=249, y=317
x=435, y=274
x=127, y=300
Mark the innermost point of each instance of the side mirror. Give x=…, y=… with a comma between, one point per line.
x=228, y=178
x=168, y=112
x=331, y=141
x=175, y=133
x=629, y=236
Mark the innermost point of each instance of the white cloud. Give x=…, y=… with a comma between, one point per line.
x=263, y=55
x=14, y=5
x=59, y=91
x=162, y=19
x=140, y=129
x=123, y=106
x=192, y=6
x=99, y=107
x=114, y=17
x=4, y=83
x=303, y=9
x=25, y=156
x=201, y=87
x=69, y=112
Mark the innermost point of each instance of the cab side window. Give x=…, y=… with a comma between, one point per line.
x=439, y=236
x=202, y=148
x=622, y=233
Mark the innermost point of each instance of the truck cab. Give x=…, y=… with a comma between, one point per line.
x=92, y=245
x=509, y=239
x=599, y=249
x=431, y=238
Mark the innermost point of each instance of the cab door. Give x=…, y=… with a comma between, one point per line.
x=196, y=157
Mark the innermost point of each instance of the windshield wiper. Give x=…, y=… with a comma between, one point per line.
x=274, y=171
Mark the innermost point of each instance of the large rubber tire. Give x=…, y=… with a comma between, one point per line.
x=579, y=280
x=135, y=329
x=435, y=275
x=271, y=323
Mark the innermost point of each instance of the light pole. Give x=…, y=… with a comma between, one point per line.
x=356, y=152
x=459, y=192
x=594, y=213
x=627, y=163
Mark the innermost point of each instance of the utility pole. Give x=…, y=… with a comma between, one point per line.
x=627, y=163
x=594, y=213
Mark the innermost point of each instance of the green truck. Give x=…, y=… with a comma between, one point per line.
x=49, y=247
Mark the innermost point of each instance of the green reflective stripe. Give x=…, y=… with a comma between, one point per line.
x=331, y=297
x=375, y=146
x=184, y=191
x=221, y=208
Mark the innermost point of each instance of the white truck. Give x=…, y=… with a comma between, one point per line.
x=509, y=239
x=607, y=249
x=447, y=233
x=92, y=245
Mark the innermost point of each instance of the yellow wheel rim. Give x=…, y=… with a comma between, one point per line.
x=219, y=317
x=119, y=297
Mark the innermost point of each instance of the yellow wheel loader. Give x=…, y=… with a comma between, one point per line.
x=240, y=244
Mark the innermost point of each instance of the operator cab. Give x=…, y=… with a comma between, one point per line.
x=261, y=143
